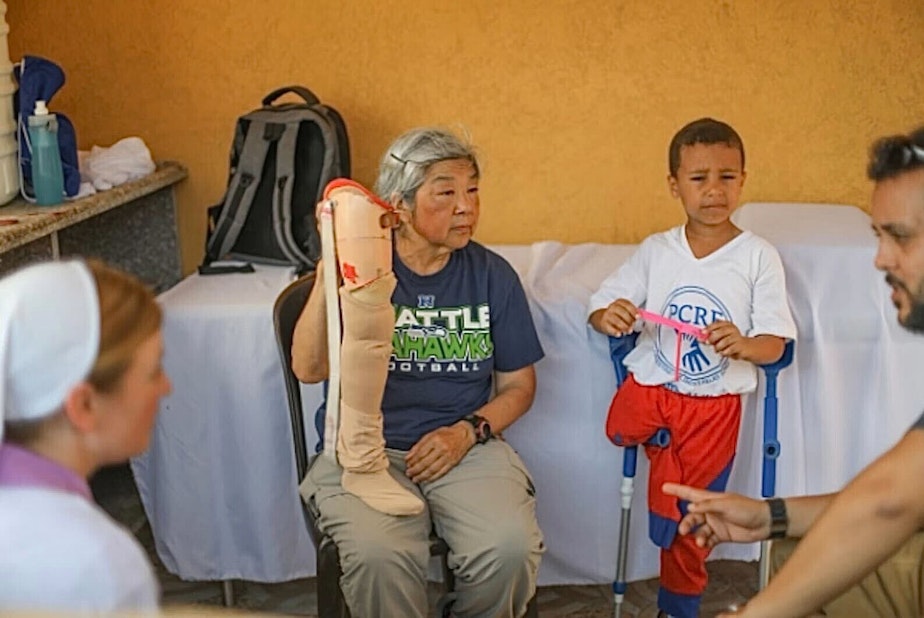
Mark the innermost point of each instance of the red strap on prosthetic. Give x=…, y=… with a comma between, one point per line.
x=389, y=218
x=338, y=183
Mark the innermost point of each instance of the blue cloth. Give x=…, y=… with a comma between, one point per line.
x=39, y=79
x=453, y=329
x=679, y=605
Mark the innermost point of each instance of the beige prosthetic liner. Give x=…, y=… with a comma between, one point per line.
x=362, y=228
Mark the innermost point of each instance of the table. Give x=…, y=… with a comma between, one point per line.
x=132, y=226
x=219, y=482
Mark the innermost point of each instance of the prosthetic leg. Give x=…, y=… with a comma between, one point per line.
x=359, y=363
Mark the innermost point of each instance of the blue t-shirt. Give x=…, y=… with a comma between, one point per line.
x=453, y=329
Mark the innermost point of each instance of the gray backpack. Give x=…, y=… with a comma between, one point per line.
x=281, y=159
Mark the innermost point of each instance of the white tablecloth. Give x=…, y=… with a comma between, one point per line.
x=219, y=481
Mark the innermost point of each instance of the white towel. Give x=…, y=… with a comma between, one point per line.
x=104, y=168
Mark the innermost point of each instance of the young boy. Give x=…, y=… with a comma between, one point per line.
x=715, y=277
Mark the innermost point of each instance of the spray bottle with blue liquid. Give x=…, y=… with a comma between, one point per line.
x=47, y=175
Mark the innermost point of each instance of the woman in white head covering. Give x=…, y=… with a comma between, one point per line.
x=80, y=381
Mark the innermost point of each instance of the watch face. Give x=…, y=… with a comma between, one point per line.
x=483, y=430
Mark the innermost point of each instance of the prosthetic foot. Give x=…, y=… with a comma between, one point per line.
x=362, y=229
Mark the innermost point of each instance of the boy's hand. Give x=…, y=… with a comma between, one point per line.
x=617, y=319
x=727, y=340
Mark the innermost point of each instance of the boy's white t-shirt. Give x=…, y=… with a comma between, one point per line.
x=741, y=282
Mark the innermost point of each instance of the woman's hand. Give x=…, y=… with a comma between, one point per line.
x=439, y=451
x=718, y=518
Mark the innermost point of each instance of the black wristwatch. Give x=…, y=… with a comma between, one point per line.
x=481, y=426
x=779, y=519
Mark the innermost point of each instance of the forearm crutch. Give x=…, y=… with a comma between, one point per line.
x=771, y=448
x=619, y=348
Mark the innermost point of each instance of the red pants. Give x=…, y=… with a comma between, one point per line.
x=704, y=433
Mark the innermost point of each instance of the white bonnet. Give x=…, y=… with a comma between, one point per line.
x=49, y=337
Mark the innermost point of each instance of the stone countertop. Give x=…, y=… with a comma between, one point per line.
x=22, y=222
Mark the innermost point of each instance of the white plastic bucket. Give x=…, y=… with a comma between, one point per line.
x=9, y=151
x=9, y=168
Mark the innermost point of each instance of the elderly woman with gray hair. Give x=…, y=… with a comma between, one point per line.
x=459, y=373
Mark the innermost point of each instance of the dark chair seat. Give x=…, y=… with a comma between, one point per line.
x=331, y=603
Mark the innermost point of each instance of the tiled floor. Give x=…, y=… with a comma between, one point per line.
x=730, y=582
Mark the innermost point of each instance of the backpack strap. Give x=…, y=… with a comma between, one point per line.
x=241, y=189
x=283, y=187
x=282, y=195
x=309, y=97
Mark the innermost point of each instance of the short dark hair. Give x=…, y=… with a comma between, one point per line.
x=895, y=155
x=702, y=131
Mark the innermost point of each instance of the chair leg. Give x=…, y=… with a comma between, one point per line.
x=331, y=603
x=444, y=606
x=227, y=592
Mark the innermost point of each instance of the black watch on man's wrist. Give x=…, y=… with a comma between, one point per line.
x=779, y=519
x=481, y=426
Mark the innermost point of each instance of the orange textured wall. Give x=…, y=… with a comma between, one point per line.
x=572, y=103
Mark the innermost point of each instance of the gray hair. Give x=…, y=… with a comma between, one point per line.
x=407, y=161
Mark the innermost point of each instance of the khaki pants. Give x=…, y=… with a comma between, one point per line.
x=893, y=589
x=484, y=509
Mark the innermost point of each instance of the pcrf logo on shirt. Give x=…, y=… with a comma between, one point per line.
x=699, y=362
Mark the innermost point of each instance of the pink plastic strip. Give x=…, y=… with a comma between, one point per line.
x=680, y=327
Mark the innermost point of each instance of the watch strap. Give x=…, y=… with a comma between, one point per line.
x=779, y=519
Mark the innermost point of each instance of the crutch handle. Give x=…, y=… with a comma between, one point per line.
x=771, y=446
